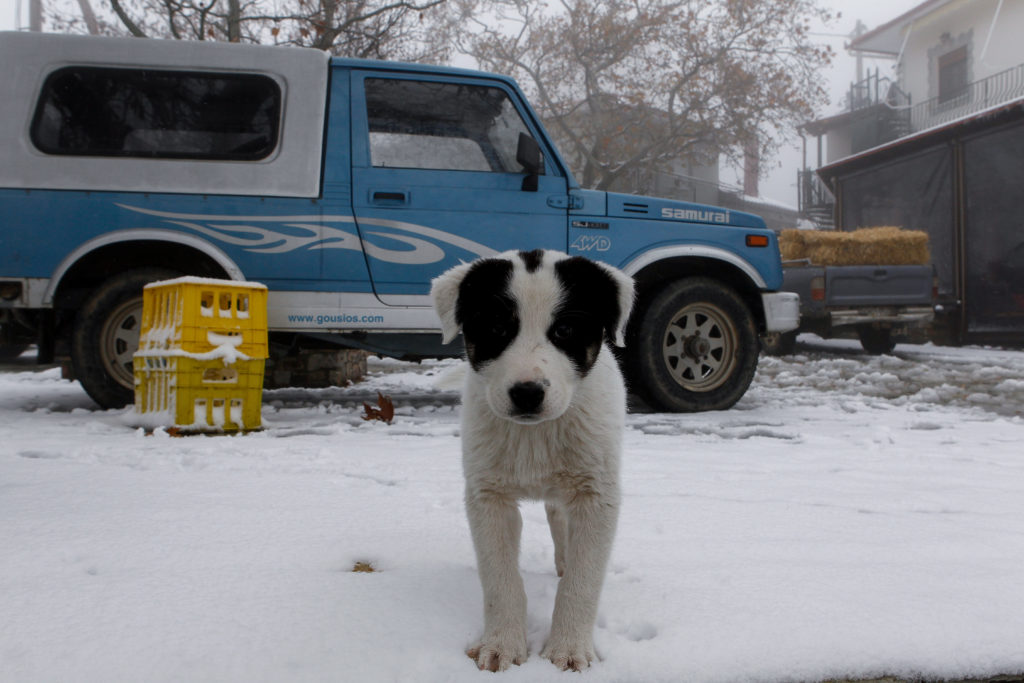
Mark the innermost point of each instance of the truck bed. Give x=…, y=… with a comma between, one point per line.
x=875, y=301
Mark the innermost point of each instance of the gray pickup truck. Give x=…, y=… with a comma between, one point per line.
x=877, y=303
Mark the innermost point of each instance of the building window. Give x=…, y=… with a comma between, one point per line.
x=150, y=113
x=953, y=74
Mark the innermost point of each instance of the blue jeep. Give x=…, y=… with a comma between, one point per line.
x=344, y=186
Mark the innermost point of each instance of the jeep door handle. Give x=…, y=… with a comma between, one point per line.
x=389, y=197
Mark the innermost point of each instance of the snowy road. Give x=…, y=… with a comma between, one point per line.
x=853, y=516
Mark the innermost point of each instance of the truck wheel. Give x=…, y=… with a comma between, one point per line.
x=876, y=340
x=779, y=343
x=694, y=347
x=106, y=336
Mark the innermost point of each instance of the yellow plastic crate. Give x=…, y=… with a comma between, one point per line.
x=198, y=315
x=200, y=395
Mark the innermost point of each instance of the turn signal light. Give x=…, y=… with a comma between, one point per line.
x=757, y=240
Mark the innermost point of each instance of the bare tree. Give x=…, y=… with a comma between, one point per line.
x=385, y=29
x=631, y=85
x=360, y=28
x=89, y=17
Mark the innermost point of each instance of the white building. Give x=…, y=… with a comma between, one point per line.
x=950, y=58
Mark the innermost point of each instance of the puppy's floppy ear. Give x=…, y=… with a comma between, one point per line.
x=626, y=292
x=444, y=290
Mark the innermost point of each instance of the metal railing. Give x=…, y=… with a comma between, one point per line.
x=976, y=96
x=875, y=89
x=811, y=191
x=814, y=198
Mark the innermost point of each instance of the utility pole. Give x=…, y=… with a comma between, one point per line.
x=35, y=15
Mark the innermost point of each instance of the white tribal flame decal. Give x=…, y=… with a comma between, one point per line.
x=316, y=233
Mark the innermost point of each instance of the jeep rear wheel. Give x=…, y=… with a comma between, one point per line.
x=693, y=347
x=106, y=336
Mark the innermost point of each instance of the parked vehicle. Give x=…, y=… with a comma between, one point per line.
x=344, y=186
x=875, y=302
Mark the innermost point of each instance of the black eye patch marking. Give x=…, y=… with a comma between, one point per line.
x=578, y=334
x=588, y=314
x=486, y=311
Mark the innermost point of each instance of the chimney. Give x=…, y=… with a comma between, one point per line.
x=751, y=168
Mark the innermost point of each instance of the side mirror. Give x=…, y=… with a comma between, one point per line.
x=529, y=157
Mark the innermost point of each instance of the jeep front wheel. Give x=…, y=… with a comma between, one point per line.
x=106, y=336
x=693, y=347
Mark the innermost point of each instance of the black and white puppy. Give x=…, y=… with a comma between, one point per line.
x=543, y=411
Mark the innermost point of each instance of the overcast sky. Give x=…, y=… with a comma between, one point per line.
x=780, y=184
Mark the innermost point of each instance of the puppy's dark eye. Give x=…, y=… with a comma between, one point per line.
x=563, y=331
x=499, y=330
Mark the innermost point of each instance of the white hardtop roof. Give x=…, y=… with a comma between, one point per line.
x=155, y=52
x=292, y=170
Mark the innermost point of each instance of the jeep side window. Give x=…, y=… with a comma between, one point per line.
x=98, y=111
x=446, y=126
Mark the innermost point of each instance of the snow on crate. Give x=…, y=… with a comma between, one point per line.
x=201, y=356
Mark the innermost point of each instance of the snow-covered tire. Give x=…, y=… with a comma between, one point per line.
x=106, y=336
x=693, y=347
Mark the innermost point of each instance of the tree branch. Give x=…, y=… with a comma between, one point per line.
x=132, y=27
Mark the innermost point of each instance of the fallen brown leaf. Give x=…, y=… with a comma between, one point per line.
x=384, y=411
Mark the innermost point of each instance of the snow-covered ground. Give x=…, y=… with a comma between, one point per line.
x=853, y=516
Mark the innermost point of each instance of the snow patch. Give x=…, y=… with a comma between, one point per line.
x=853, y=517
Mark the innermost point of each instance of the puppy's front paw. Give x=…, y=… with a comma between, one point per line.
x=567, y=655
x=496, y=653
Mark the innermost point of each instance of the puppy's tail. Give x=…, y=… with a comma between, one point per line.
x=452, y=378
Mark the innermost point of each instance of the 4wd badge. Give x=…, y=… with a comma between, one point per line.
x=591, y=243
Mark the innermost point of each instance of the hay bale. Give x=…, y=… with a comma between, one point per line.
x=792, y=245
x=892, y=246
x=882, y=246
x=833, y=249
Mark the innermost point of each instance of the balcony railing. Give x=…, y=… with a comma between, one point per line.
x=875, y=89
x=988, y=92
x=905, y=118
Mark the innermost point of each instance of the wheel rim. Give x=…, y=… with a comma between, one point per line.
x=120, y=340
x=699, y=347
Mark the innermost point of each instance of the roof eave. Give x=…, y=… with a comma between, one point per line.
x=887, y=39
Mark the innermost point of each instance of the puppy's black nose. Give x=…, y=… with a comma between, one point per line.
x=526, y=396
